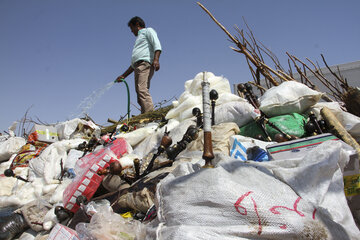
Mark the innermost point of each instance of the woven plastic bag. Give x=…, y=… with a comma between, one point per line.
x=288, y=97
x=301, y=199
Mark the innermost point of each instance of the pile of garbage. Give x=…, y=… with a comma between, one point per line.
x=217, y=166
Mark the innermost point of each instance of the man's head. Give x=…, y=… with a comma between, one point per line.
x=135, y=24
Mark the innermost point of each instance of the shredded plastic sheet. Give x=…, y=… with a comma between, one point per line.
x=270, y=200
x=288, y=97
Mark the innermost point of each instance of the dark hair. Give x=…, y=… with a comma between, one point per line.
x=136, y=20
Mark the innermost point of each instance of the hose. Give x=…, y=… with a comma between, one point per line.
x=128, y=95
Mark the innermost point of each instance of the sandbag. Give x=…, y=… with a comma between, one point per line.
x=288, y=97
x=237, y=200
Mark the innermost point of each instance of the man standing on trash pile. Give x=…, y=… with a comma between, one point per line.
x=144, y=60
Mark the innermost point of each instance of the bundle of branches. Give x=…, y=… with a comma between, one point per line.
x=156, y=115
x=254, y=51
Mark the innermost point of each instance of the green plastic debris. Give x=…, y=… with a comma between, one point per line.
x=292, y=124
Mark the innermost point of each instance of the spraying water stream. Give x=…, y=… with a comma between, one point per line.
x=87, y=103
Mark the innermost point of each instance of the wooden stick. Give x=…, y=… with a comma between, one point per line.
x=338, y=130
x=315, y=74
x=241, y=47
x=335, y=75
x=258, y=86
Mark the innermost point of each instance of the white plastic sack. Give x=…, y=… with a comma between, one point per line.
x=57, y=195
x=47, y=164
x=138, y=135
x=247, y=201
x=66, y=129
x=21, y=192
x=288, y=97
x=237, y=112
x=192, y=96
x=152, y=142
x=350, y=122
x=3, y=137
x=10, y=147
x=72, y=158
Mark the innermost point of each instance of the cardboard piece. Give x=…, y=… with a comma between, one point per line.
x=296, y=149
x=45, y=133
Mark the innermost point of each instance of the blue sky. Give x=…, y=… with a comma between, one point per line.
x=55, y=53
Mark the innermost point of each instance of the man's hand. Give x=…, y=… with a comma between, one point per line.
x=156, y=64
x=124, y=75
x=120, y=78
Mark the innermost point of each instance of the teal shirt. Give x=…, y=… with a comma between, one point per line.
x=146, y=43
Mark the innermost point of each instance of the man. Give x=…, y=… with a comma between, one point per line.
x=144, y=60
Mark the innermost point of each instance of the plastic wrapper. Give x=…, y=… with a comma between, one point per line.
x=94, y=207
x=107, y=225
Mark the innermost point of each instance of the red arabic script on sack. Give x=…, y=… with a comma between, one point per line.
x=275, y=209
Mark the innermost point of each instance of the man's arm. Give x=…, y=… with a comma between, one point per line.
x=156, y=62
x=156, y=45
x=125, y=74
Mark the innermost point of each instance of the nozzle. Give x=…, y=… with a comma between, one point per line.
x=121, y=80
